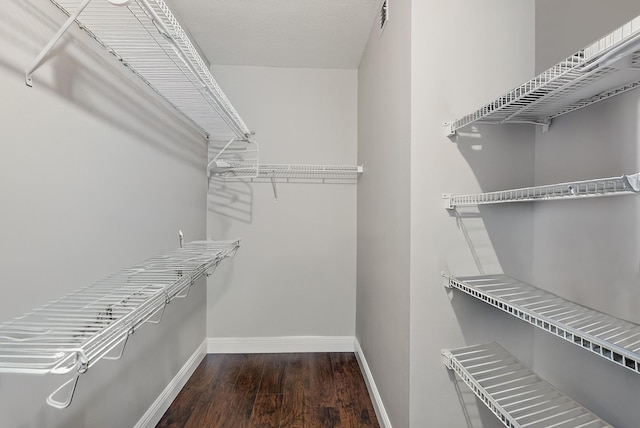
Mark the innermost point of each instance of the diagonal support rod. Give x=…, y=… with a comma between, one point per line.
x=47, y=49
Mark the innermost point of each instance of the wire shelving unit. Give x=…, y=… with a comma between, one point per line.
x=517, y=396
x=606, y=68
x=147, y=39
x=237, y=160
x=231, y=170
x=614, y=339
x=71, y=334
x=624, y=185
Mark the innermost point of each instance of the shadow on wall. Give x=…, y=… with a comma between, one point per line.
x=97, y=82
x=476, y=414
x=499, y=239
x=234, y=199
x=231, y=199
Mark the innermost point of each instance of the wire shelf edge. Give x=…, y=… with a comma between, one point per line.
x=513, y=393
x=69, y=335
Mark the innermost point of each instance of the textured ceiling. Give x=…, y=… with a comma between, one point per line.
x=279, y=33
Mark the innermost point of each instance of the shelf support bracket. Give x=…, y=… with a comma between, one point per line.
x=449, y=131
x=633, y=181
x=446, y=198
x=545, y=126
x=447, y=279
x=56, y=37
x=446, y=358
x=273, y=185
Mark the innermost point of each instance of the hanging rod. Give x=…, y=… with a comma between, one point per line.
x=606, y=68
x=624, y=185
x=613, y=339
x=147, y=39
x=69, y=335
x=516, y=395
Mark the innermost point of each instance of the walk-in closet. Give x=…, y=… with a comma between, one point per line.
x=305, y=213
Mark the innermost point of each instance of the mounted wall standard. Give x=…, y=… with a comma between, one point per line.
x=147, y=39
x=615, y=340
x=71, y=334
x=624, y=185
x=518, y=397
x=604, y=69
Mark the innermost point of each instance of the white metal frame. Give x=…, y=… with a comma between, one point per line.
x=241, y=170
x=146, y=37
x=569, y=85
x=236, y=160
x=614, y=339
x=517, y=396
x=613, y=186
x=71, y=334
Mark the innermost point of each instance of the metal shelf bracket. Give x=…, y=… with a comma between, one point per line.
x=446, y=358
x=54, y=40
x=446, y=199
x=446, y=279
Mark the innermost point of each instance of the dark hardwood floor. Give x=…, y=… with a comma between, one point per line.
x=273, y=391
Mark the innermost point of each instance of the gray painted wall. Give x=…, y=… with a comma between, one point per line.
x=96, y=174
x=295, y=272
x=587, y=251
x=565, y=26
x=464, y=54
x=384, y=136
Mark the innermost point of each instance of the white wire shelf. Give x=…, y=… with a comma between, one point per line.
x=238, y=170
x=71, y=334
x=602, y=70
x=615, y=340
x=145, y=36
x=517, y=396
x=624, y=185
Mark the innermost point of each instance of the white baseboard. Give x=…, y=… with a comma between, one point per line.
x=285, y=344
x=153, y=415
x=381, y=413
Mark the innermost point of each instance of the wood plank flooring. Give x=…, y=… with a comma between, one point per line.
x=310, y=390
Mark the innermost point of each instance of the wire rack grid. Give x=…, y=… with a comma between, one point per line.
x=71, y=334
x=569, y=85
x=146, y=37
x=624, y=185
x=616, y=340
x=230, y=170
x=517, y=396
